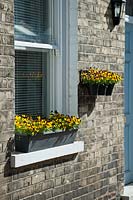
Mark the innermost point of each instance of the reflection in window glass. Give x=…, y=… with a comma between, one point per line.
x=32, y=21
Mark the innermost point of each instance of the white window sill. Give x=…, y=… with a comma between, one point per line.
x=23, y=159
x=24, y=45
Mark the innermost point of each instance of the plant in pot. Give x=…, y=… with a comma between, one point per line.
x=42, y=133
x=99, y=82
x=111, y=78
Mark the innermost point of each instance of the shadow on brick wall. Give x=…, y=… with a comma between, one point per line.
x=86, y=102
x=109, y=19
x=8, y=171
x=9, y=150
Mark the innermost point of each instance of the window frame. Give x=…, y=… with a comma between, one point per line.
x=62, y=85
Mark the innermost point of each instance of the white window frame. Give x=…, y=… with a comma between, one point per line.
x=63, y=95
x=21, y=45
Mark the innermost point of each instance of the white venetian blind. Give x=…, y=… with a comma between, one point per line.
x=32, y=21
x=31, y=83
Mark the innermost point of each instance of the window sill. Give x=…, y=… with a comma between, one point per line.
x=24, y=45
x=23, y=159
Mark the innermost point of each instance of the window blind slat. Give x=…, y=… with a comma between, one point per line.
x=31, y=83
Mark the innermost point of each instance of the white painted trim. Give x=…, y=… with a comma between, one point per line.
x=23, y=159
x=51, y=83
x=65, y=61
x=69, y=60
x=20, y=48
x=129, y=19
x=21, y=45
x=58, y=57
x=73, y=58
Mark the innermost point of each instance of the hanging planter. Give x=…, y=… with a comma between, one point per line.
x=109, y=89
x=37, y=134
x=103, y=80
x=93, y=89
x=101, y=89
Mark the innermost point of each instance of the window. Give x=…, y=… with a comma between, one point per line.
x=32, y=20
x=31, y=82
x=45, y=68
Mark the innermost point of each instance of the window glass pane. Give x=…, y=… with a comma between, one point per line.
x=32, y=21
x=31, y=83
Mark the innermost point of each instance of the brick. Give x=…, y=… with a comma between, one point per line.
x=61, y=197
x=23, y=193
x=43, y=195
x=58, y=181
x=58, y=190
x=36, y=178
x=95, y=173
x=48, y=184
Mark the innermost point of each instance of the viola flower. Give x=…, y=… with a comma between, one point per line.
x=99, y=76
x=55, y=122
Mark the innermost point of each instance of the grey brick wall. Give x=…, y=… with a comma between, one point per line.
x=101, y=44
x=6, y=90
x=97, y=173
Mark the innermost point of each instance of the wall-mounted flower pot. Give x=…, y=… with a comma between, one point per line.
x=102, y=78
x=26, y=143
x=101, y=89
x=109, y=89
x=93, y=89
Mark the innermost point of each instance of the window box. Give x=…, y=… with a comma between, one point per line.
x=28, y=143
x=33, y=134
